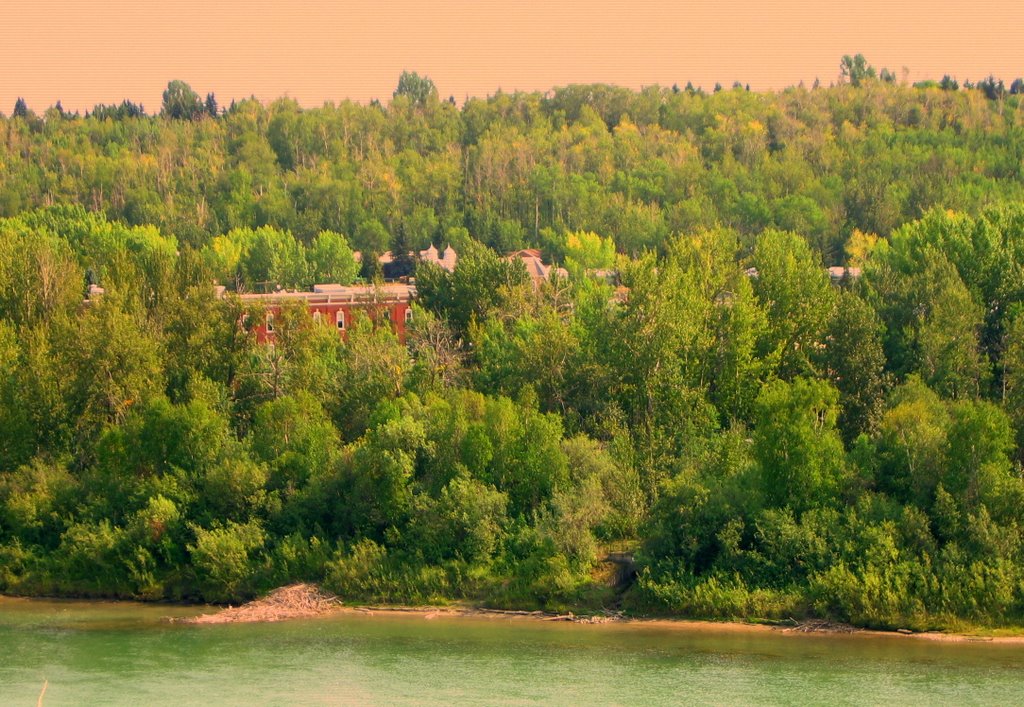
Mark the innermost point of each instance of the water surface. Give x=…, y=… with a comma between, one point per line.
x=124, y=653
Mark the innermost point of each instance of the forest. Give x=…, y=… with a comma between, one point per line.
x=769, y=440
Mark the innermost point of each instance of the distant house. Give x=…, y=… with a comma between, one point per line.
x=336, y=305
x=446, y=260
x=535, y=267
x=837, y=273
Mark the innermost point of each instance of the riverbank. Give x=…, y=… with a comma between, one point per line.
x=309, y=602
x=305, y=601
x=682, y=624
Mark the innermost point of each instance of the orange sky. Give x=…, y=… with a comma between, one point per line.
x=317, y=50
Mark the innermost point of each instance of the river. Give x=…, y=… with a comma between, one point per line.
x=126, y=653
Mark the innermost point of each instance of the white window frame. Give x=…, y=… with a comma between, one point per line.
x=269, y=322
x=339, y=320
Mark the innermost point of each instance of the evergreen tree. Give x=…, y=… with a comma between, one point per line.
x=403, y=260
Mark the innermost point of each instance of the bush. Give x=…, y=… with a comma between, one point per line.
x=715, y=598
x=223, y=560
x=367, y=572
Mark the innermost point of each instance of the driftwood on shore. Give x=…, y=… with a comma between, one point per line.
x=607, y=617
x=297, y=601
x=821, y=626
x=431, y=613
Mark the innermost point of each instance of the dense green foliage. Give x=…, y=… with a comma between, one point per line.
x=518, y=170
x=771, y=443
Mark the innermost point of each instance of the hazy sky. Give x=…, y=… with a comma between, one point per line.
x=85, y=53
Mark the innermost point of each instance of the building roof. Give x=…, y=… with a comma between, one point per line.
x=338, y=294
x=449, y=258
x=535, y=267
x=446, y=260
x=838, y=272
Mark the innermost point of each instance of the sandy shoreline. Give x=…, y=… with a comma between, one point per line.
x=681, y=624
x=323, y=606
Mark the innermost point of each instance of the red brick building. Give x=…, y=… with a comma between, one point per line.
x=336, y=305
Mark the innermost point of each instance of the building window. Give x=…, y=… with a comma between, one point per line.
x=270, y=323
x=408, y=315
x=341, y=319
x=317, y=316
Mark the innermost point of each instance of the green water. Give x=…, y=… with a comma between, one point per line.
x=101, y=653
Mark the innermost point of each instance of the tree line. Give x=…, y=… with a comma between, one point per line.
x=520, y=170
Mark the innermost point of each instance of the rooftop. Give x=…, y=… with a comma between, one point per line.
x=333, y=293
